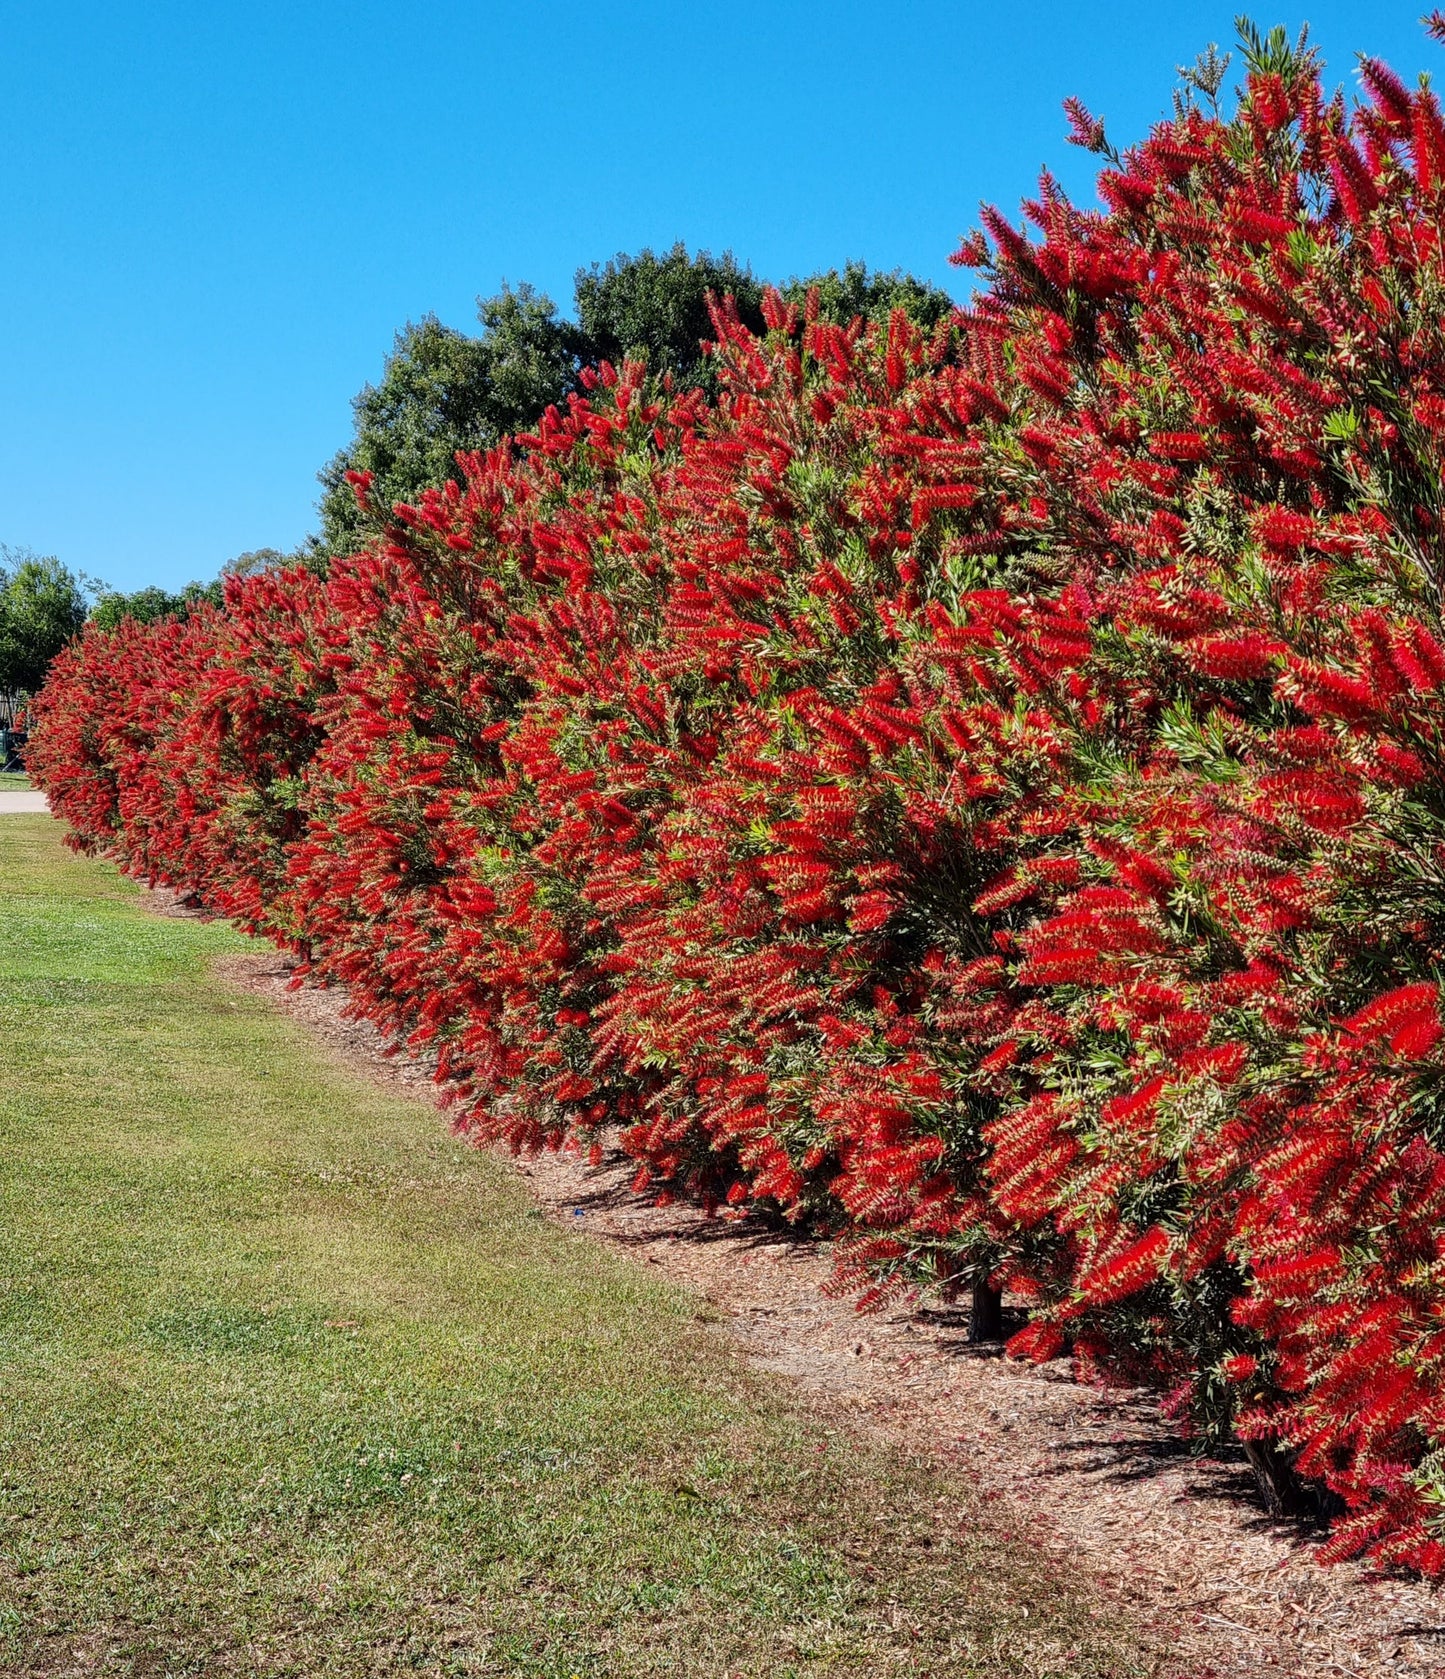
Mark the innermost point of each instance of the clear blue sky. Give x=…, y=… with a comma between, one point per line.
x=216, y=217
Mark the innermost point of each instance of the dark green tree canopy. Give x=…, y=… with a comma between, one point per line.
x=442, y=391
x=853, y=291
x=41, y=608
x=148, y=605
x=655, y=307
x=145, y=606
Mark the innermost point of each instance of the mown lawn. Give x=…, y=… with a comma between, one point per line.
x=292, y=1383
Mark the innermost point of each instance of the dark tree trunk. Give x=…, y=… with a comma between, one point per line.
x=1279, y=1486
x=985, y=1320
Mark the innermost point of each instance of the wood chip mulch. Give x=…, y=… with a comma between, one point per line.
x=1096, y=1479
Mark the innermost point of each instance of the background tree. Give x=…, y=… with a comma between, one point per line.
x=853, y=291
x=41, y=607
x=149, y=605
x=443, y=390
x=144, y=606
x=254, y=560
x=655, y=307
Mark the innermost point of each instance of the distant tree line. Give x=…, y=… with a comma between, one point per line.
x=148, y=605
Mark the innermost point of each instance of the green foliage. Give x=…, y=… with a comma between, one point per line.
x=855, y=292
x=528, y=359
x=144, y=606
x=150, y=605
x=255, y=560
x=442, y=391
x=656, y=307
x=41, y=608
x=1273, y=54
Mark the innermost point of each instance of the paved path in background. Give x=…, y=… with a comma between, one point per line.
x=21, y=801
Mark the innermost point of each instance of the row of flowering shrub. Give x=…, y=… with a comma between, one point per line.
x=982, y=792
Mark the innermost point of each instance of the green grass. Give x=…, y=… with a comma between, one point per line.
x=13, y=779
x=292, y=1383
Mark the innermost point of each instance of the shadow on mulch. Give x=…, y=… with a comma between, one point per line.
x=956, y=1318
x=1135, y=1458
x=1227, y=1478
x=758, y=1230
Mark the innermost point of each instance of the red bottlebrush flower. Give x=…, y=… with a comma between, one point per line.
x=1119, y=1275
x=1400, y=767
x=1240, y=658
x=1223, y=1063
x=1427, y=141
x=1408, y=1016
x=1260, y=227
x=1179, y=445
x=997, y=1060
x=1283, y=528
x=1134, y=1112
x=1322, y=801
x=1037, y=1342
x=939, y=496
x=971, y=253
x=1390, y=95
x=871, y=911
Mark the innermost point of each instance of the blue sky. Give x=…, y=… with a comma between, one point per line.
x=217, y=217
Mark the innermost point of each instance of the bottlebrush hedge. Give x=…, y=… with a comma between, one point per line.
x=983, y=792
